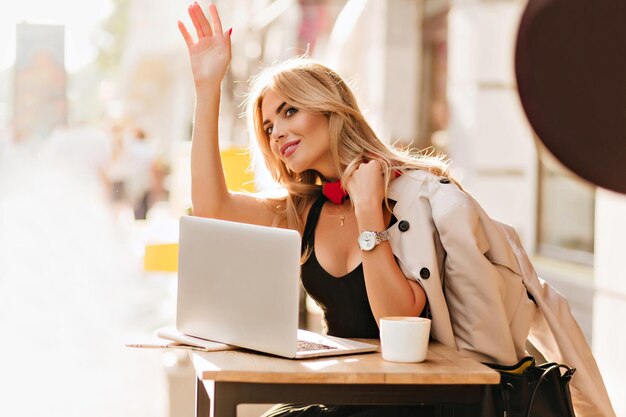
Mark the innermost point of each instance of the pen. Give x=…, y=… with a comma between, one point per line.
x=157, y=346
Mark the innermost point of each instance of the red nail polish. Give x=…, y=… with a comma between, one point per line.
x=230, y=31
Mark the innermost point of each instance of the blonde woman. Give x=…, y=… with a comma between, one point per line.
x=381, y=227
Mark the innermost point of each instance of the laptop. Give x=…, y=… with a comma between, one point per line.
x=239, y=284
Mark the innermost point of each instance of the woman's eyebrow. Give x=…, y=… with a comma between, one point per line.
x=266, y=121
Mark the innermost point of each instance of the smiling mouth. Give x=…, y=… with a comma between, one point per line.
x=289, y=148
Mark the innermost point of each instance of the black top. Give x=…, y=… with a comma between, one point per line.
x=343, y=300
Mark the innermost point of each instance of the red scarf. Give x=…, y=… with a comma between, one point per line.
x=335, y=192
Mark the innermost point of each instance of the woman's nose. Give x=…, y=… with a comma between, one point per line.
x=277, y=133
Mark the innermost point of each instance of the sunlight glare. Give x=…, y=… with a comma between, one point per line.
x=317, y=365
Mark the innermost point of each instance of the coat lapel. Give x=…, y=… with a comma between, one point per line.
x=415, y=249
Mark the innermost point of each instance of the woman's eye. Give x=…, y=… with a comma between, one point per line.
x=290, y=111
x=268, y=131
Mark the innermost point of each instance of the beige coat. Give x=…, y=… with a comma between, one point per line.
x=476, y=276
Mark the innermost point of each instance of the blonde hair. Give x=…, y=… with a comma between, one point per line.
x=311, y=86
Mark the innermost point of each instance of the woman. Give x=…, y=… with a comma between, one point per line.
x=312, y=136
x=381, y=228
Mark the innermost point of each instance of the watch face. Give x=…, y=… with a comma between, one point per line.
x=367, y=240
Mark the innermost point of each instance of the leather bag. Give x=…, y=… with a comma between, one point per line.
x=530, y=390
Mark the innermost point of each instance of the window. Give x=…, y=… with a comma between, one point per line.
x=566, y=213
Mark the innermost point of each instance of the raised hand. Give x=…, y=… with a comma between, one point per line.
x=211, y=54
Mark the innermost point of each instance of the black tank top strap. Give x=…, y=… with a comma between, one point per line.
x=311, y=222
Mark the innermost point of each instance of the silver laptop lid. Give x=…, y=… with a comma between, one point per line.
x=238, y=284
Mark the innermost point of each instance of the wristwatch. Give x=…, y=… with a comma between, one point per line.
x=368, y=240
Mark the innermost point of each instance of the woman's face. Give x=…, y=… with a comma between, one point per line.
x=297, y=137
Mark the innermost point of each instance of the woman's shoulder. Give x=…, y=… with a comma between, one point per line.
x=442, y=193
x=421, y=176
x=428, y=182
x=427, y=176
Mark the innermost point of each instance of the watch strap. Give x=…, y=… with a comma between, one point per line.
x=381, y=236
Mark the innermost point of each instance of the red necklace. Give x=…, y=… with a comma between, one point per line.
x=335, y=192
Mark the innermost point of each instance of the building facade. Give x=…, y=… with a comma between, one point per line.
x=39, y=81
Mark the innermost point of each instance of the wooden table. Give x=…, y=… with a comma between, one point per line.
x=228, y=378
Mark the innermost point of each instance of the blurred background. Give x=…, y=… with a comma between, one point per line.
x=96, y=102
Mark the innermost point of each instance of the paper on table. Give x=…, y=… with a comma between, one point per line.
x=170, y=345
x=171, y=333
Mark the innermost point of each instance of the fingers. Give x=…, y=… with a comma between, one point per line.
x=215, y=19
x=195, y=21
x=372, y=164
x=372, y=167
x=202, y=25
x=186, y=35
x=202, y=20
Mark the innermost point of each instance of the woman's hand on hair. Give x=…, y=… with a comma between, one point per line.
x=210, y=55
x=366, y=186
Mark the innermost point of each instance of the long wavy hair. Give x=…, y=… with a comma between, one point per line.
x=308, y=85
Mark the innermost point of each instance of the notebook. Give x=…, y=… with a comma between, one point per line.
x=239, y=284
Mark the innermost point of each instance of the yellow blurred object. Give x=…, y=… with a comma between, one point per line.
x=239, y=176
x=161, y=257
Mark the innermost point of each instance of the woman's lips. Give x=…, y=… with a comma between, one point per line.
x=289, y=148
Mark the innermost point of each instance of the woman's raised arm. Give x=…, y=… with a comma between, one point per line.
x=210, y=56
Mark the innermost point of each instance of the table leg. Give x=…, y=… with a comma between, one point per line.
x=203, y=402
x=214, y=400
x=224, y=400
x=487, y=408
x=446, y=410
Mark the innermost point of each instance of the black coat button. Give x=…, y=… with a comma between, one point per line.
x=424, y=273
x=404, y=226
x=445, y=181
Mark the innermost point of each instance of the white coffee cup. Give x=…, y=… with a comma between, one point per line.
x=404, y=339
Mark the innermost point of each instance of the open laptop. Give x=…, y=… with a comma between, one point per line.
x=239, y=284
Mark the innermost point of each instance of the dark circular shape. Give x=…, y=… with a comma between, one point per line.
x=444, y=181
x=424, y=273
x=404, y=226
x=570, y=63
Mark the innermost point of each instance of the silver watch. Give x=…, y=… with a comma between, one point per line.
x=368, y=240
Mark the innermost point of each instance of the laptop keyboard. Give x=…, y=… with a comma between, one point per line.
x=304, y=346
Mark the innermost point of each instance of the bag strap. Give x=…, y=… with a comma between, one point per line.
x=568, y=374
